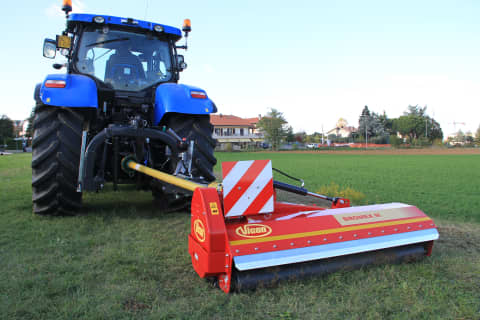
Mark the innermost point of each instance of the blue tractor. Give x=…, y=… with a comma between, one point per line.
x=119, y=97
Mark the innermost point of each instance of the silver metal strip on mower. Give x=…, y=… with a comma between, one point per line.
x=276, y=258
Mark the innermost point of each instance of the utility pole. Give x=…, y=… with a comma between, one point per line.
x=322, y=134
x=366, y=136
x=426, y=126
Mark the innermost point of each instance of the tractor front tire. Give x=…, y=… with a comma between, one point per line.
x=56, y=144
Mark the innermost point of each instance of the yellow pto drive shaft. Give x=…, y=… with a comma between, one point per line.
x=129, y=163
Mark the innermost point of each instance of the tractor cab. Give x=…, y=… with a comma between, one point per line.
x=122, y=54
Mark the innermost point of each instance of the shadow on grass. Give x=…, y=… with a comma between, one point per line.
x=110, y=208
x=127, y=203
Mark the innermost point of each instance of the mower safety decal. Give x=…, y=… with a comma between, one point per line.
x=247, y=187
x=327, y=231
x=213, y=208
x=346, y=219
x=253, y=230
x=199, y=230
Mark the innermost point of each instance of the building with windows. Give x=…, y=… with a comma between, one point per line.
x=342, y=129
x=239, y=132
x=20, y=127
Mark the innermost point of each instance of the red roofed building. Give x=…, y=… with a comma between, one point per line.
x=240, y=132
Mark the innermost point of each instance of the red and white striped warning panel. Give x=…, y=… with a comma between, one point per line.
x=247, y=187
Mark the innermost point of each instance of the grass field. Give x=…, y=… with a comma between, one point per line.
x=121, y=259
x=445, y=186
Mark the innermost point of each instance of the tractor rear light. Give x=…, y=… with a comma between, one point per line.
x=198, y=94
x=158, y=28
x=98, y=19
x=55, y=83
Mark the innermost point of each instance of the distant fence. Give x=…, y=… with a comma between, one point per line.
x=369, y=145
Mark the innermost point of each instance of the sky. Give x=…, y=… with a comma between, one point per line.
x=315, y=61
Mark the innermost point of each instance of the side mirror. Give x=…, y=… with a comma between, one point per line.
x=49, y=48
x=181, y=62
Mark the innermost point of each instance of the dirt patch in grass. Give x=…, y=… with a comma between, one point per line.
x=134, y=306
x=462, y=237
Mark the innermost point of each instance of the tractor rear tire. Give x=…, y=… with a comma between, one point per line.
x=198, y=129
x=56, y=144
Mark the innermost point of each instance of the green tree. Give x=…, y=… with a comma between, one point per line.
x=289, y=136
x=415, y=124
x=386, y=122
x=469, y=137
x=371, y=121
x=477, y=134
x=29, y=132
x=6, y=128
x=316, y=137
x=433, y=129
x=274, y=127
x=300, y=137
x=416, y=111
x=409, y=126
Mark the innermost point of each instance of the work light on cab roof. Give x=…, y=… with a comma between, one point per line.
x=99, y=19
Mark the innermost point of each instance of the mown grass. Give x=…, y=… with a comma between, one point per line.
x=122, y=259
x=446, y=186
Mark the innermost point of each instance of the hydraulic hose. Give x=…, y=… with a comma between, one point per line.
x=301, y=191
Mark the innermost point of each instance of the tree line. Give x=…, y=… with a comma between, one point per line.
x=414, y=127
x=8, y=131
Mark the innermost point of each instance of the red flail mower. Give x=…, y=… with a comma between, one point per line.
x=242, y=237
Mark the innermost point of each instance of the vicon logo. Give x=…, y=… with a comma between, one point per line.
x=253, y=230
x=199, y=230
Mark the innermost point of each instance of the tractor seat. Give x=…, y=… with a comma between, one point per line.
x=123, y=69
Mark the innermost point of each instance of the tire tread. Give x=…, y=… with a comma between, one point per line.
x=55, y=160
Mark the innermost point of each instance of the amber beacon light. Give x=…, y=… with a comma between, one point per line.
x=67, y=6
x=187, y=25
